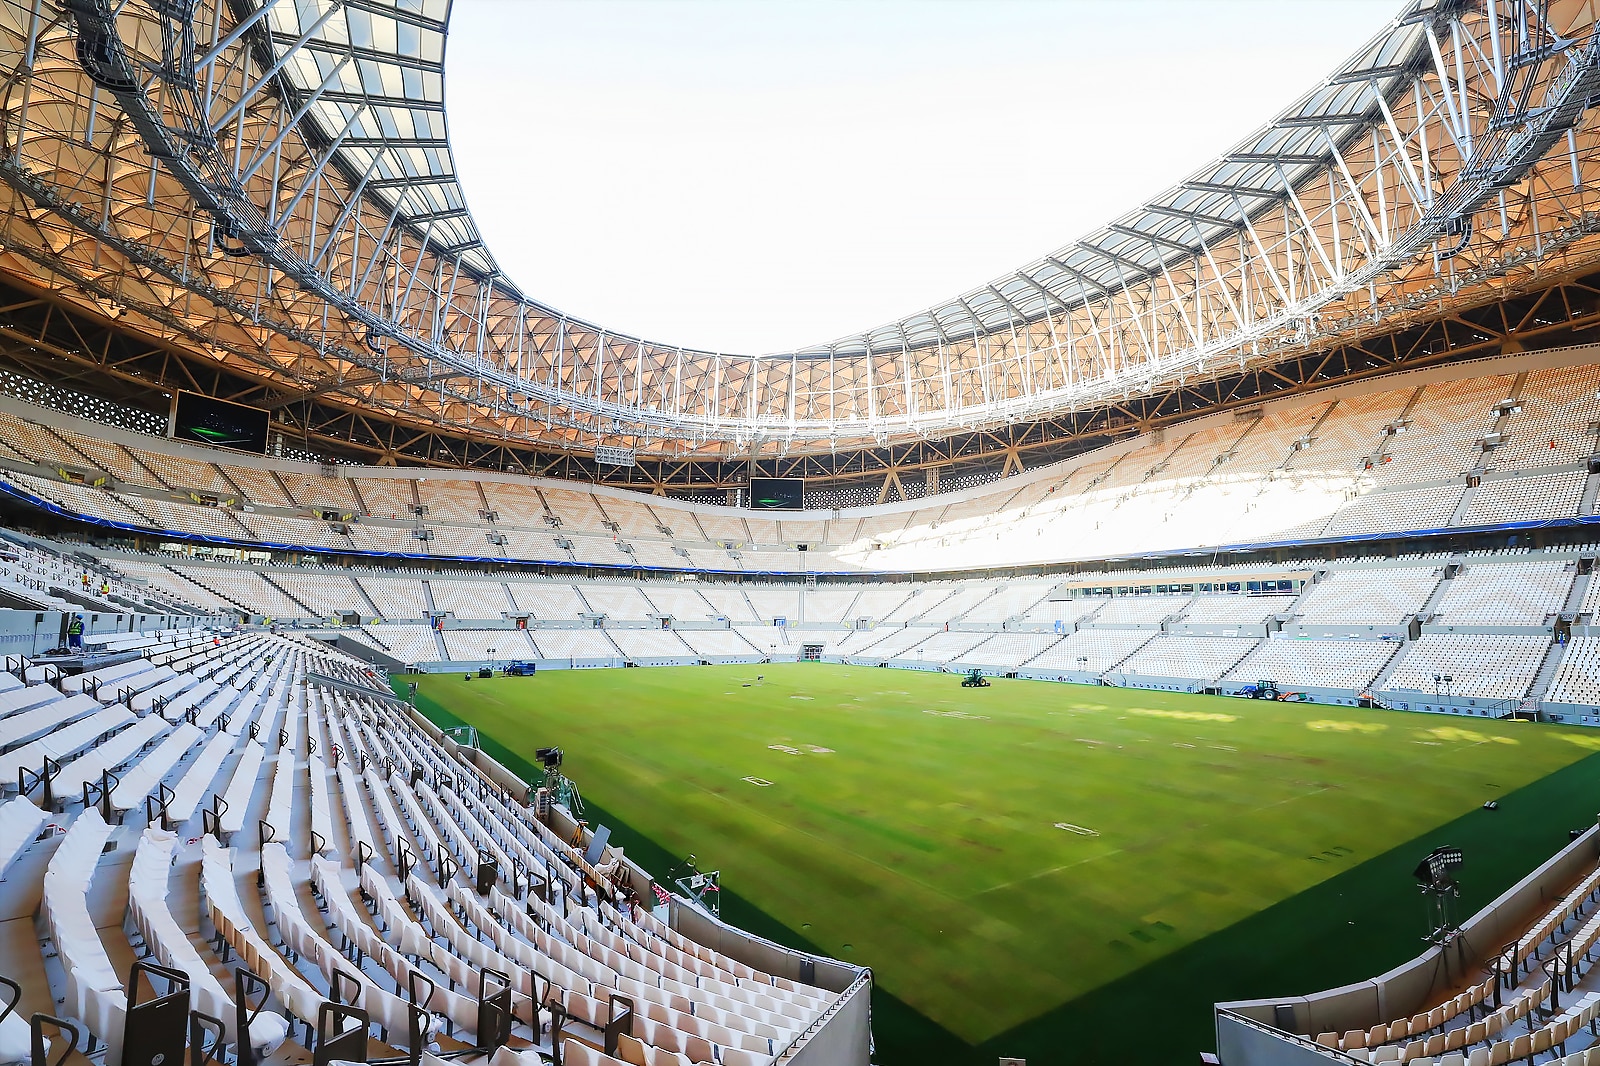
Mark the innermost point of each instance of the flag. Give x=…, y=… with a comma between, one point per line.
x=661, y=893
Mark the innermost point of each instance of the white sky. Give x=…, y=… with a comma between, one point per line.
x=756, y=175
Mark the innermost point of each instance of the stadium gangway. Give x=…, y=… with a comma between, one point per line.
x=166, y=941
x=359, y=937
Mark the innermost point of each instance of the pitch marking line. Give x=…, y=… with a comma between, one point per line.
x=1080, y=830
x=760, y=781
x=1118, y=851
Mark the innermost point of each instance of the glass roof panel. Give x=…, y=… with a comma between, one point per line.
x=398, y=55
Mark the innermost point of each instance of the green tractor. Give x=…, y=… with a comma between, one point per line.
x=974, y=679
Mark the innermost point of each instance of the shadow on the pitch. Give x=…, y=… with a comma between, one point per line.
x=1350, y=927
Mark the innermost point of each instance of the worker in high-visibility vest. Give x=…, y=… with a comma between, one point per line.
x=75, y=632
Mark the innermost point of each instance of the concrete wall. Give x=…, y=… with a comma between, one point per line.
x=33, y=633
x=760, y=953
x=1239, y=1043
x=1426, y=979
x=845, y=1038
x=1402, y=699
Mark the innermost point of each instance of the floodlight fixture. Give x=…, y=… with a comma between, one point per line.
x=1437, y=871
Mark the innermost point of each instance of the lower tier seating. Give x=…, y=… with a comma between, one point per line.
x=382, y=906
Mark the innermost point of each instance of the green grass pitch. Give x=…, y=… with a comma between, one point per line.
x=997, y=855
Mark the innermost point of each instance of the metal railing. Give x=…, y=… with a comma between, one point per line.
x=793, y=1047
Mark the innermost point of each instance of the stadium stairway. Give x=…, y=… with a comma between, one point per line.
x=221, y=597
x=1296, y=606
x=1463, y=505
x=1546, y=673
x=289, y=593
x=1590, y=496
x=1431, y=605
x=366, y=598
x=1117, y=666
x=749, y=603
x=1390, y=664
x=1580, y=587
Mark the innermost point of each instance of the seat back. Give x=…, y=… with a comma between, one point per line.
x=631, y=1050
x=575, y=1054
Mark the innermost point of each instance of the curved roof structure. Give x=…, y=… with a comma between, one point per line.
x=272, y=180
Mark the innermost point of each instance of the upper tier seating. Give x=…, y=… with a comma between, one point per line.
x=1140, y=610
x=1414, y=508
x=1526, y=499
x=1507, y=594
x=1441, y=434
x=484, y=600
x=1358, y=460
x=1226, y=608
x=1553, y=424
x=1368, y=597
